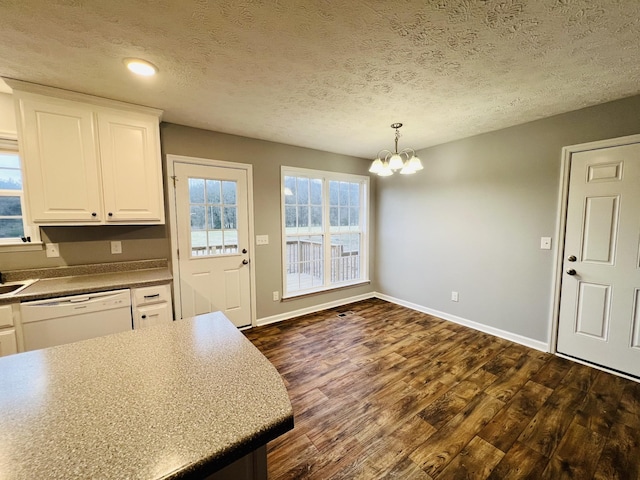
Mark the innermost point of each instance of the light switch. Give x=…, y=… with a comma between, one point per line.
x=262, y=239
x=545, y=243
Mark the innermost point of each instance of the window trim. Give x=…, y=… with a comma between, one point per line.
x=10, y=145
x=327, y=176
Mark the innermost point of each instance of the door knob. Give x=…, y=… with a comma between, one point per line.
x=572, y=258
x=245, y=261
x=571, y=271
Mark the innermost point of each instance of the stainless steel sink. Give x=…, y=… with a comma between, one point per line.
x=11, y=288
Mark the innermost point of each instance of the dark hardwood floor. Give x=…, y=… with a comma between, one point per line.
x=387, y=392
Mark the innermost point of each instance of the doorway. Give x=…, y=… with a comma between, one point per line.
x=211, y=233
x=599, y=305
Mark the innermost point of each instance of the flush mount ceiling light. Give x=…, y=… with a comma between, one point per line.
x=388, y=162
x=141, y=67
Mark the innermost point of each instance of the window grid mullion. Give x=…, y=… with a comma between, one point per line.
x=326, y=228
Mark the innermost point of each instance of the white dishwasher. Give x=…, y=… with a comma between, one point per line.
x=55, y=321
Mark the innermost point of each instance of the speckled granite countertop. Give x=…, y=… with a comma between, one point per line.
x=173, y=401
x=57, y=282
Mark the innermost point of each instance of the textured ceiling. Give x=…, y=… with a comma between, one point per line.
x=333, y=75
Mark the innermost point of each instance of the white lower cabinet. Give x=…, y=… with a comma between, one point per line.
x=151, y=305
x=8, y=339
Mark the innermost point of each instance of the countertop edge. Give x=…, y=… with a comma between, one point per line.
x=120, y=280
x=212, y=465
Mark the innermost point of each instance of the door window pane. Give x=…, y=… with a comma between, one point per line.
x=197, y=217
x=229, y=192
x=214, y=214
x=213, y=191
x=231, y=241
x=230, y=217
x=196, y=190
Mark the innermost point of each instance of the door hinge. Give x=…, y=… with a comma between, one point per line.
x=175, y=179
x=178, y=253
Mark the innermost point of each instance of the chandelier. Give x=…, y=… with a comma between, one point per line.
x=388, y=162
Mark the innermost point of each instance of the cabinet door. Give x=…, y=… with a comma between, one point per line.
x=8, y=344
x=60, y=160
x=131, y=167
x=152, y=315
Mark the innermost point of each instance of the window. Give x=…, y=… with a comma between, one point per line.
x=14, y=228
x=324, y=230
x=213, y=205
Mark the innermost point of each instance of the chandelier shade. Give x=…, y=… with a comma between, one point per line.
x=387, y=162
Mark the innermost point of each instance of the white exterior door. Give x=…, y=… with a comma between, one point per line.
x=213, y=241
x=600, y=300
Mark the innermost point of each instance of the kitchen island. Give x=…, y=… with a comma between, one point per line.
x=182, y=400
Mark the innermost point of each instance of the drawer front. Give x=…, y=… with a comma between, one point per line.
x=149, y=315
x=150, y=295
x=6, y=316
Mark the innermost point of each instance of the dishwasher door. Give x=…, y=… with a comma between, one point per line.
x=56, y=321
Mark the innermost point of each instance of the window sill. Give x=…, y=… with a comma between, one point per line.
x=332, y=288
x=20, y=247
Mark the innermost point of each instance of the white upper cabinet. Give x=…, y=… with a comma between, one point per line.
x=131, y=167
x=88, y=163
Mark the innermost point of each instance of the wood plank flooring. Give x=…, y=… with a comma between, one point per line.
x=387, y=392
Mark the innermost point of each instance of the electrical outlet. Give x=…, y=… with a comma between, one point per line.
x=276, y=296
x=116, y=247
x=53, y=250
x=545, y=243
x=454, y=296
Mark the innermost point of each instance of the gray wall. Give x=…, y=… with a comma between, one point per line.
x=86, y=245
x=266, y=159
x=471, y=221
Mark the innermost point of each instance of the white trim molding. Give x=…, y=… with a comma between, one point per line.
x=496, y=332
x=316, y=308
x=170, y=161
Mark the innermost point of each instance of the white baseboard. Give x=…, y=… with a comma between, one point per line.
x=514, y=337
x=315, y=308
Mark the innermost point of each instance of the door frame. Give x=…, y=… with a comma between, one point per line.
x=175, y=266
x=561, y=223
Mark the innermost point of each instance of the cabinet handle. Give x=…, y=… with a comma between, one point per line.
x=144, y=316
x=156, y=295
x=110, y=214
x=94, y=214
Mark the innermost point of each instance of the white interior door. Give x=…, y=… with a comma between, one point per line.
x=600, y=300
x=213, y=241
